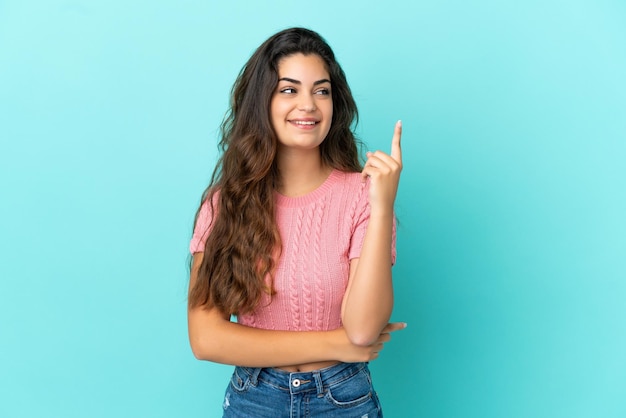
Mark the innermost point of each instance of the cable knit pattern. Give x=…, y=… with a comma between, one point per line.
x=320, y=233
x=307, y=299
x=294, y=293
x=317, y=267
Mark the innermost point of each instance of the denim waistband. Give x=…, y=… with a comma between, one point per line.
x=298, y=382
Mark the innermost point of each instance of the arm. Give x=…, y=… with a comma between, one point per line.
x=368, y=301
x=213, y=337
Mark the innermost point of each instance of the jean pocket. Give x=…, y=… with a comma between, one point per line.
x=240, y=380
x=351, y=392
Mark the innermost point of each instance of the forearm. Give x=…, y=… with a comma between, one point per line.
x=232, y=343
x=369, y=302
x=215, y=338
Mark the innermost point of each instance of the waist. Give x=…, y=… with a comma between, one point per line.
x=308, y=367
x=304, y=380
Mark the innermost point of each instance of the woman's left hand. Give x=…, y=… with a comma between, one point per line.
x=384, y=173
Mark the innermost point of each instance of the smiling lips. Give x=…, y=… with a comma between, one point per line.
x=304, y=123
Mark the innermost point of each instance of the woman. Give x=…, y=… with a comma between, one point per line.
x=296, y=240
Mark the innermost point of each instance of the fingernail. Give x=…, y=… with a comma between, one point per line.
x=399, y=123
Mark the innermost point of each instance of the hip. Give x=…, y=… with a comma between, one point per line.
x=341, y=390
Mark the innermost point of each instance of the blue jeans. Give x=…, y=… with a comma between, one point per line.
x=340, y=391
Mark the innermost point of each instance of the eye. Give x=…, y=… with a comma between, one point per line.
x=323, y=92
x=288, y=90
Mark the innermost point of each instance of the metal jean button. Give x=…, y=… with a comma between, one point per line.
x=296, y=383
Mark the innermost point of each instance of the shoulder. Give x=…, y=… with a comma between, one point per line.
x=352, y=184
x=351, y=190
x=349, y=179
x=208, y=207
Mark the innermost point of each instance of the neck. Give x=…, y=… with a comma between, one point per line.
x=301, y=172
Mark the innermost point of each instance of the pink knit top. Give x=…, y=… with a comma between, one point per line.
x=321, y=232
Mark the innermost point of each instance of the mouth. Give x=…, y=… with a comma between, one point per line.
x=304, y=123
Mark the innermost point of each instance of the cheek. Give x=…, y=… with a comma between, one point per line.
x=278, y=111
x=329, y=114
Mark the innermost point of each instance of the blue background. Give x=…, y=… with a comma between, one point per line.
x=511, y=271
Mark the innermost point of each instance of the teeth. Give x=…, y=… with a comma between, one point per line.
x=302, y=122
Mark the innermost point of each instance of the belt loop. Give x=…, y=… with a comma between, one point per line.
x=318, y=382
x=255, y=375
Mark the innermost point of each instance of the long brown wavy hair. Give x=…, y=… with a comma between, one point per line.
x=244, y=243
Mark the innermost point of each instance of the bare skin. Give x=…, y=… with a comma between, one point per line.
x=368, y=300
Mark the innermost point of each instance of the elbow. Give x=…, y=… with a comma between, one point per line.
x=362, y=338
x=204, y=331
x=364, y=333
x=198, y=353
x=201, y=350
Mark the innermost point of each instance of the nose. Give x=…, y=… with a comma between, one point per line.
x=307, y=103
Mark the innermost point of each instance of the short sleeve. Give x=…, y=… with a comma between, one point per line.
x=362, y=216
x=202, y=229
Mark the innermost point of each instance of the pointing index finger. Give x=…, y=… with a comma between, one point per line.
x=396, y=151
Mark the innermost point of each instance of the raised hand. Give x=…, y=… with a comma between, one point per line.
x=384, y=173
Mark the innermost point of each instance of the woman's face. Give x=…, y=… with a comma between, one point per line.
x=302, y=106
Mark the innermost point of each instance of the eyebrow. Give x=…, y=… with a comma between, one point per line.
x=291, y=80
